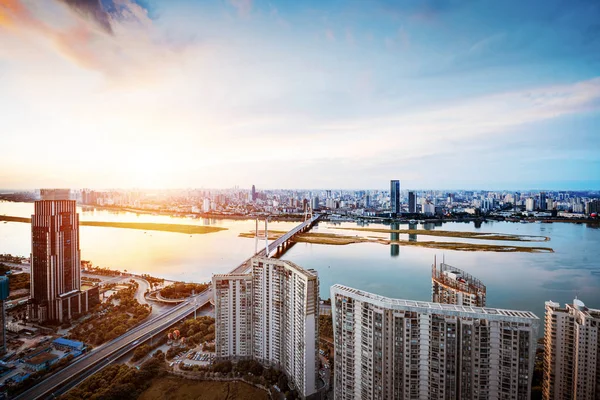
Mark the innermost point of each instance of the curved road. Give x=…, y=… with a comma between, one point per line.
x=98, y=358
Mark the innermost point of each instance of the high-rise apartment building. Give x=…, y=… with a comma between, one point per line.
x=271, y=315
x=253, y=193
x=530, y=204
x=592, y=206
x=233, y=316
x=572, y=352
x=401, y=349
x=55, y=259
x=412, y=202
x=451, y=285
x=395, y=196
x=314, y=203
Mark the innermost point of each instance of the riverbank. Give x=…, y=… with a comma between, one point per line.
x=466, y=235
x=341, y=240
x=144, y=226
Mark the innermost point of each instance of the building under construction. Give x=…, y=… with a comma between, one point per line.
x=451, y=285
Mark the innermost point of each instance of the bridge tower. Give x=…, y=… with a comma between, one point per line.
x=308, y=213
x=258, y=236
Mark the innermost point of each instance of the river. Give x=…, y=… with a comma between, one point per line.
x=522, y=281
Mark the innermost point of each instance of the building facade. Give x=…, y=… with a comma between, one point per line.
x=450, y=285
x=395, y=196
x=412, y=202
x=55, y=260
x=400, y=349
x=233, y=316
x=271, y=315
x=572, y=352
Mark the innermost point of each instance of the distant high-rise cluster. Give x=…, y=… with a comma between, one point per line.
x=451, y=285
x=55, y=260
x=401, y=349
x=572, y=352
x=270, y=315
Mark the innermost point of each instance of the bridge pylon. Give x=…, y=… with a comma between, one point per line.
x=258, y=236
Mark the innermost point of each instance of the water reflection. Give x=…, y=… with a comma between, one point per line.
x=394, y=237
x=412, y=237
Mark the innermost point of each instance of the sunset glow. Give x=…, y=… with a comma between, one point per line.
x=216, y=94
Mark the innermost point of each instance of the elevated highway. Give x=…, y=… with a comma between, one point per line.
x=94, y=361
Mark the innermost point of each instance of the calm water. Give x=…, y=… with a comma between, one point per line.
x=514, y=280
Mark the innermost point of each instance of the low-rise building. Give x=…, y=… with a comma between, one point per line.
x=40, y=362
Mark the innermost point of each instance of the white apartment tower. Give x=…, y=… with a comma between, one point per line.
x=450, y=285
x=233, y=317
x=401, y=349
x=572, y=356
x=271, y=315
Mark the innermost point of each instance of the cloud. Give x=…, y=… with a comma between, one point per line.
x=93, y=10
x=243, y=7
x=121, y=44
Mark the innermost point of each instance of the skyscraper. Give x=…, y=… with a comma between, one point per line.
x=451, y=285
x=542, y=202
x=395, y=196
x=272, y=316
x=412, y=202
x=253, y=193
x=55, y=259
x=529, y=204
x=401, y=349
x=571, y=352
x=233, y=316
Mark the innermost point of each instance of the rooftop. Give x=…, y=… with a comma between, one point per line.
x=70, y=343
x=432, y=308
x=42, y=358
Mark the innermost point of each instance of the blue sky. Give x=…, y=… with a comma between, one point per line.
x=340, y=94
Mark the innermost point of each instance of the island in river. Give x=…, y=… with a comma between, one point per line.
x=144, y=226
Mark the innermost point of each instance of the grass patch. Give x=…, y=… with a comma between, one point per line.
x=466, y=235
x=175, y=388
x=332, y=239
x=144, y=226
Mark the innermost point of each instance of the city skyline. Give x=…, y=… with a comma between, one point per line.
x=178, y=94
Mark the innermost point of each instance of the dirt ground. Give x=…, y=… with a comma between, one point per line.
x=175, y=388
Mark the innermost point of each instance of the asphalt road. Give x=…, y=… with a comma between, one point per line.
x=98, y=358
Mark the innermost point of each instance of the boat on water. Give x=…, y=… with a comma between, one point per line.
x=412, y=221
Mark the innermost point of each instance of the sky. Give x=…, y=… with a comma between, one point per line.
x=300, y=94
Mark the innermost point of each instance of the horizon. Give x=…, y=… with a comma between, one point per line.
x=258, y=189
x=167, y=94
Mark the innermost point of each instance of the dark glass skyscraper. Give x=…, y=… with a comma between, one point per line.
x=542, y=205
x=412, y=202
x=395, y=196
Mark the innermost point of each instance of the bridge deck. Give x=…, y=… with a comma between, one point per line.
x=97, y=359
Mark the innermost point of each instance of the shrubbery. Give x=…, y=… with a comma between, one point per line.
x=180, y=290
x=116, y=321
x=117, y=382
